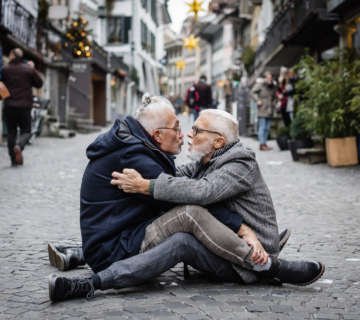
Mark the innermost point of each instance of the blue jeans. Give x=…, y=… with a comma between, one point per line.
x=264, y=129
x=180, y=247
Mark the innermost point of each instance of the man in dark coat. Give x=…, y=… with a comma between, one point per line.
x=205, y=96
x=19, y=79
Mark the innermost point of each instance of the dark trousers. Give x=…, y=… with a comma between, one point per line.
x=17, y=117
x=286, y=117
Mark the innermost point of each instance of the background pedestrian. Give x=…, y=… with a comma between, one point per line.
x=264, y=93
x=19, y=77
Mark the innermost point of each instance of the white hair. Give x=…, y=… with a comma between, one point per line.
x=152, y=113
x=224, y=123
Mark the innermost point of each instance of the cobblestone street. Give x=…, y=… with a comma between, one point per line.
x=39, y=202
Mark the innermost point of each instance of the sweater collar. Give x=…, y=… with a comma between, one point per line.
x=222, y=150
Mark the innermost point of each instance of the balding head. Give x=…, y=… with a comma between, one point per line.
x=16, y=54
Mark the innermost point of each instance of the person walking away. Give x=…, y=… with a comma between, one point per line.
x=265, y=95
x=19, y=78
x=283, y=99
x=243, y=106
x=228, y=96
x=205, y=94
x=192, y=100
x=290, y=93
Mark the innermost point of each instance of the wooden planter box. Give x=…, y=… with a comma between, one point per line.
x=341, y=151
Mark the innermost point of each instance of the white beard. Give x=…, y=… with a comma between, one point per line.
x=197, y=155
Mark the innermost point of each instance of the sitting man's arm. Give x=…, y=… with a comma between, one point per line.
x=223, y=183
x=186, y=170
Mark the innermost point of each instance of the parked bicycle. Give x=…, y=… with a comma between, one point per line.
x=38, y=113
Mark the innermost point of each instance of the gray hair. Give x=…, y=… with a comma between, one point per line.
x=151, y=114
x=224, y=123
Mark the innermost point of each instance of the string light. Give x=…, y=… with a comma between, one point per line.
x=78, y=35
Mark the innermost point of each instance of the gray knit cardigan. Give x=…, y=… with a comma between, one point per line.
x=233, y=176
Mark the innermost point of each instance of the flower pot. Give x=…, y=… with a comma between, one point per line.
x=341, y=151
x=282, y=142
x=299, y=144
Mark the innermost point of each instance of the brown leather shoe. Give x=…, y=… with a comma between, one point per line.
x=262, y=147
x=18, y=155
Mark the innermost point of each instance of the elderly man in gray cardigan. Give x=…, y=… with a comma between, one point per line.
x=223, y=170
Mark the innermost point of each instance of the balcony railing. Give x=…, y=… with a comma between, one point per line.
x=20, y=23
x=288, y=22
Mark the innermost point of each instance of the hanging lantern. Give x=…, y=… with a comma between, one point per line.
x=195, y=7
x=191, y=42
x=180, y=64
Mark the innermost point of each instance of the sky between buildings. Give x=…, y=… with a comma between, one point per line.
x=178, y=10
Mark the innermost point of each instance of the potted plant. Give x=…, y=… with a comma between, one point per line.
x=282, y=137
x=330, y=104
x=300, y=135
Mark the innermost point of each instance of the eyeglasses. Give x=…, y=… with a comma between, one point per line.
x=197, y=130
x=177, y=130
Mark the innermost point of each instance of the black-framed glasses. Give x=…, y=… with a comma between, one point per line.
x=177, y=130
x=197, y=130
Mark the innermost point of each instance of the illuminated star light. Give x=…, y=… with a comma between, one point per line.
x=195, y=7
x=180, y=64
x=191, y=42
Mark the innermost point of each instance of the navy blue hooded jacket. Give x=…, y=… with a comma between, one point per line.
x=113, y=222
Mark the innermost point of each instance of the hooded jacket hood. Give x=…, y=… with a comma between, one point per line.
x=125, y=131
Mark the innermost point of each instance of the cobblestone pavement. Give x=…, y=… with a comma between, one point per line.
x=39, y=202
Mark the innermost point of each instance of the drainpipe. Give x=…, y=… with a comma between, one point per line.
x=130, y=98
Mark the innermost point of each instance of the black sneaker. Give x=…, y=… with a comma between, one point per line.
x=65, y=258
x=61, y=288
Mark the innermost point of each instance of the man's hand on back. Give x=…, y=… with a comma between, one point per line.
x=130, y=181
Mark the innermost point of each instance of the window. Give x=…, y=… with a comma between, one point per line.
x=218, y=40
x=118, y=29
x=152, y=45
x=153, y=11
x=144, y=4
x=144, y=36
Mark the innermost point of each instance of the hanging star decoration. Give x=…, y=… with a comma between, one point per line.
x=191, y=42
x=180, y=64
x=195, y=7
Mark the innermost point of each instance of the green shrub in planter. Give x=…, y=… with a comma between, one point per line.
x=299, y=129
x=300, y=134
x=330, y=95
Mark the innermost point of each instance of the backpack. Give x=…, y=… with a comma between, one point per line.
x=192, y=97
